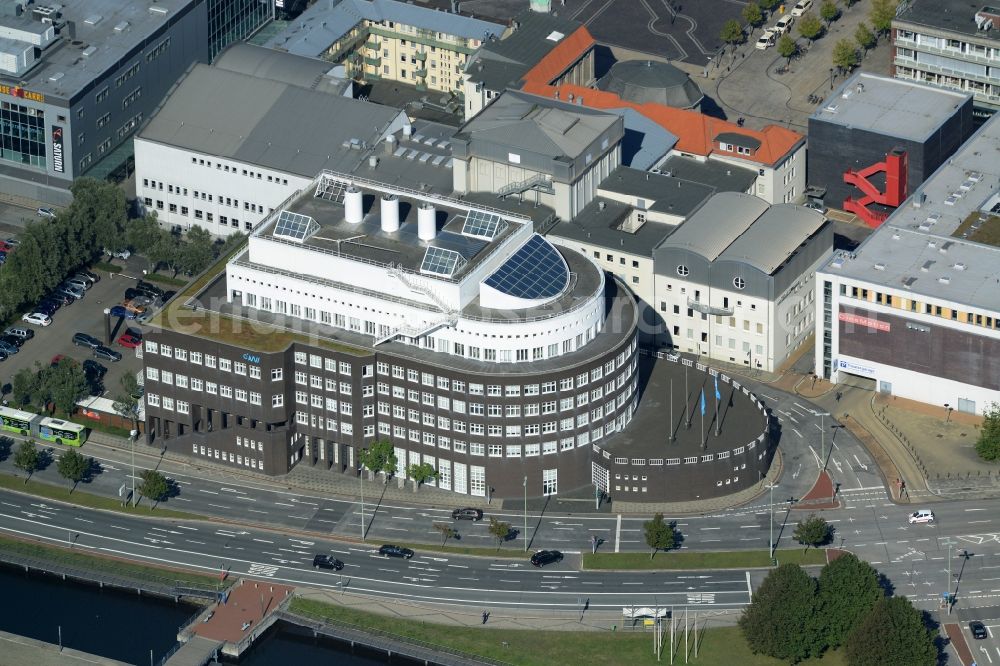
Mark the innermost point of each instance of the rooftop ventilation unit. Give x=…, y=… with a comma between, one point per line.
x=55, y=77
x=880, y=266
x=426, y=221
x=353, y=206
x=390, y=213
x=959, y=266
x=93, y=19
x=121, y=27
x=157, y=9
x=944, y=279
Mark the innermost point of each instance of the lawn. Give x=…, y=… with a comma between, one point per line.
x=717, y=647
x=740, y=559
x=81, y=498
x=165, y=279
x=81, y=560
x=988, y=232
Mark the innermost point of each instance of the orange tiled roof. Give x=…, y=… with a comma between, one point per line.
x=694, y=130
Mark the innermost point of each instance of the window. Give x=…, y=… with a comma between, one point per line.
x=683, y=270
x=739, y=283
x=276, y=374
x=277, y=400
x=550, y=481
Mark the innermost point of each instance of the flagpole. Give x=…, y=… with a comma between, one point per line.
x=672, y=426
x=717, y=408
x=687, y=395
x=702, y=418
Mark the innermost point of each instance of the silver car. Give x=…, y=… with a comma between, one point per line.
x=70, y=290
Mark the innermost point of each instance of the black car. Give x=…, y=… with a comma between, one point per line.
x=327, y=562
x=978, y=630
x=543, y=557
x=92, y=368
x=84, y=340
x=389, y=550
x=3, y=355
x=12, y=340
x=107, y=354
x=48, y=304
x=149, y=289
x=8, y=348
x=468, y=513
x=60, y=298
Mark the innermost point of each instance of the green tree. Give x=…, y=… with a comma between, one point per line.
x=64, y=384
x=829, y=11
x=881, y=14
x=732, y=33
x=660, y=535
x=787, y=48
x=987, y=446
x=126, y=403
x=845, y=55
x=813, y=531
x=27, y=459
x=232, y=241
x=864, y=37
x=143, y=233
x=153, y=485
x=198, y=252
x=848, y=590
x=99, y=208
x=894, y=632
x=753, y=15
x=165, y=252
x=780, y=620
x=447, y=532
x=420, y=474
x=379, y=458
x=500, y=531
x=810, y=27
x=73, y=466
x=23, y=387
x=768, y=5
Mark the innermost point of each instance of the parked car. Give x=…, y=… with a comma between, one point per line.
x=543, y=557
x=978, y=630
x=390, y=550
x=69, y=290
x=37, y=318
x=120, y=254
x=45, y=212
x=921, y=516
x=130, y=340
x=327, y=562
x=47, y=307
x=801, y=7
x=149, y=289
x=3, y=355
x=6, y=247
x=84, y=340
x=766, y=40
x=107, y=354
x=60, y=298
x=22, y=332
x=468, y=513
x=86, y=279
x=121, y=311
x=783, y=25
x=78, y=283
x=12, y=241
x=8, y=349
x=93, y=369
x=90, y=275
x=12, y=340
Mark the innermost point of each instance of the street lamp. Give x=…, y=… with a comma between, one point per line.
x=133, y=435
x=950, y=544
x=831, y=78
x=770, y=541
x=361, y=484
x=948, y=409
x=526, y=514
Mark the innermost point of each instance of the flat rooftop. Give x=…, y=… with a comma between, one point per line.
x=598, y=224
x=920, y=247
x=661, y=193
x=105, y=31
x=893, y=107
x=722, y=176
x=956, y=16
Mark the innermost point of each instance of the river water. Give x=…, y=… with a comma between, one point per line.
x=125, y=626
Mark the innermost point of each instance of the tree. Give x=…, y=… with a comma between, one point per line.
x=813, y=531
x=988, y=445
x=126, y=404
x=752, y=14
x=845, y=55
x=732, y=33
x=420, y=473
x=197, y=253
x=23, y=387
x=27, y=459
x=768, y=5
x=73, y=466
x=779, y=621
x=65, y=383
x=894, y=632
x=447, y=532
x=810, y=27
x=164, y=252
x=881, y=15
x=499, y=530
x=99, y=210
x=787, y=48
x=153, y=485
x=848, y=590
x=829, y=11
x=864, y=37
x=232, y=241
x=142, y=234
x=660, y=535
x=379, y=458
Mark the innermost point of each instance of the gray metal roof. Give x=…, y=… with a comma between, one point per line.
x=63, y=70
x=324, y=23
x=598, y=224
x=268, y=123
x=947, y=15
x=893, y=107
x=722, y=176
x=539, y=125
x=501, y=64
x=645, y=142
x=643, y=81
x=714, y=227
x=774, y=237
x=665, y=194
x=301, y=71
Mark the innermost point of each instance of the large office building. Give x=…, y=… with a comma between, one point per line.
x=79, y=78
x=915, y=309
x=950, y=44
x=454, y=330
x=389, y=40
x=875, y=139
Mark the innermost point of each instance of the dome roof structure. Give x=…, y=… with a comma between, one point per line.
x=642, y=81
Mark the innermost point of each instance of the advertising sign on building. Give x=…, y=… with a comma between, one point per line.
x=854, y=368
x=867, y=322
x=57, y=149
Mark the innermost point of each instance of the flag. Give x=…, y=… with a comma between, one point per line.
x=703, y=402
x=718, y=396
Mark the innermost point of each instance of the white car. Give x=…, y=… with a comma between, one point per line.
x=921, y=516
x=766, y=40
x=783, y=25
x=45, y=212
x=801, y=7
x=37, y=318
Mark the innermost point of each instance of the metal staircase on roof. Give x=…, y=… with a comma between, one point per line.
x=449, y=318
x=537, y=182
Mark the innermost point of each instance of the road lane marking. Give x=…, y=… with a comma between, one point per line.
x=618, y=533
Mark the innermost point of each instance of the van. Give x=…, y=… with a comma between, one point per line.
x=921, y=516
x=20, y=332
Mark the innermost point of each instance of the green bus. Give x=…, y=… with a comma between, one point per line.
x=62, y=432
x=14, y=420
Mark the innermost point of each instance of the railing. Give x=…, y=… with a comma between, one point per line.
x=708, y=308
x=417, y=331
x=397, y=271
x=538, y=181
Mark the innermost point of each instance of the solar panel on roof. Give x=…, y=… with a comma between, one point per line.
x=295, y=226
x=439, y=261
x=535, y=271
x=332, y=190
x=481, y=224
